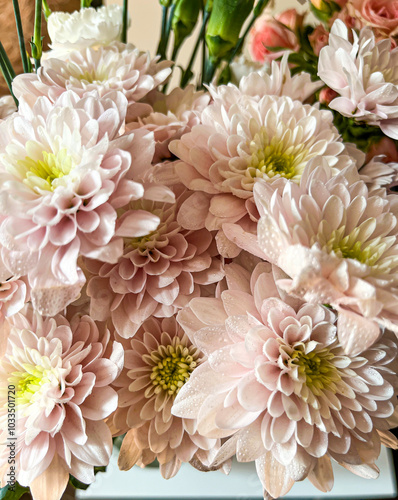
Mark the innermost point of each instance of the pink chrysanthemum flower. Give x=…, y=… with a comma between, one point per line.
x=279, y=383
x=158, y=362
x=240, y=141
x=172, y=116
x=377, y=174
x=364, y=74
x=14, y=293
x=7, y=106
x=61, y=373
x=115, y=67
x=64, y=171
x=158, y=273
x=275, y=80
x=337, y=244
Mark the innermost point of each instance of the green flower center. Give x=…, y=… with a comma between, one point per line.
x=88, y=76
x=276, y=156
x=316, y=367
x=272, y=163
x=142, y=241
x=43, y=174
x=173, y=370
x=366, y=256
x=369, y=252
x=30, y=382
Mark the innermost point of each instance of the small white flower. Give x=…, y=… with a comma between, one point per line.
x=84, y=28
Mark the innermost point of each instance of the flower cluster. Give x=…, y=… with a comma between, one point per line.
x=202, y=273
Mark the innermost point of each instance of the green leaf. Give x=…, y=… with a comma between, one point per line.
x=12, y=492
x=363, y=135
x=329, y=8
x=82, y=486
x=275, y=49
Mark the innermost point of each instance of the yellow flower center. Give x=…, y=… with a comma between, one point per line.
x=43, y=174
x=174, y=368
x=369, y=252
x=316, y=367
x=99, y=74
x=356, y=252
x=275, y=156
x=141, y=242
x=88, y=76
x=30, y=382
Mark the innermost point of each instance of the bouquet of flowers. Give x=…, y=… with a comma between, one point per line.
x=205, y=272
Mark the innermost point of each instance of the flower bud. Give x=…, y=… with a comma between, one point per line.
x=319, y=38
x=268, y=32
x=326, y=95
x=324, y=5
x=291, y=19
x=324, y=9
x=184, y=19
x=223, y=30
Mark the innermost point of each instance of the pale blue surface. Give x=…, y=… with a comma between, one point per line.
x=241, y=484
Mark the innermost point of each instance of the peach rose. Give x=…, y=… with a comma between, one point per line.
x=319, y=38
x=290, y=18
x=382, y=15
x=268, y=32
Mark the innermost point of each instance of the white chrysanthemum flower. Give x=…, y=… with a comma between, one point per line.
x=337, y=244
x=59, y=372
x=279, y=383
x=365, y=75
x=65, y=170
x=270, y=80
x=7, y=106
x=159, y=361
x=118, y=67
x=84, y=28
x=241, y=140
x=377, y=174
x=242, y=66
x=172, y=116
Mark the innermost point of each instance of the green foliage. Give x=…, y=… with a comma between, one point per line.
x=184, y=19
x=83, y=486
x=361, y=134
x=328, y=9
x=226, y=20
x=305, y=59
x=13, y=492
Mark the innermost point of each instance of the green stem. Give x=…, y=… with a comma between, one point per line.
x=161, y=51
x=125, y=20
x=187, y=74
x=210, y=68
x=168, y=30
x=46, y=10
x=21, y=38
x=204, y=61
x=256, y=13
x=84, y=4
x=36, y=40
x=175, y=52
x=3, y=55
x=5, y=71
